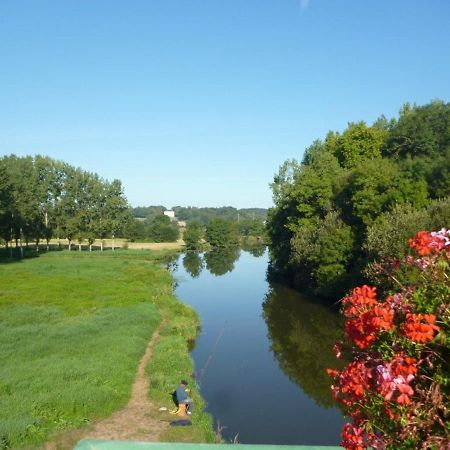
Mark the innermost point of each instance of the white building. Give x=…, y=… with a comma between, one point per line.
x=169, y=213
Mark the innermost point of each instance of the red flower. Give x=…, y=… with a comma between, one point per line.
x=354, y=380
x=332, y=372
x=370, y=320
x=420, y=327
x=426, y=243
x=359, y=299
x=360, y=329
x=404, y=365
x=383, y=318
x=391, y=413
x=353, y=437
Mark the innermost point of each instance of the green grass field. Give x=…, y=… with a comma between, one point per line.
x=73, y=327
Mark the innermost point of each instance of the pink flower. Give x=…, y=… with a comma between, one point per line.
x=388, y=384
x=337, y=350
x=405, y=390
x=385, y=381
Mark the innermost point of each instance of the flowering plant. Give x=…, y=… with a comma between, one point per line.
x=396, y=389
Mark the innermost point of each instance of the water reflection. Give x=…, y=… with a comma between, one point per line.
x=245, y=322
x=302, y=335
x=256, y=249
x=193, y=264
x=221, y=261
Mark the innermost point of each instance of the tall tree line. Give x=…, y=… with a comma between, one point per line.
x=358, y=195
x=42, y=198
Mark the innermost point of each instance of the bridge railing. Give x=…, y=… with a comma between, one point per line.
x=88, y=444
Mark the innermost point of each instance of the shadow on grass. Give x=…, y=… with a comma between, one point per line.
x=15, y=254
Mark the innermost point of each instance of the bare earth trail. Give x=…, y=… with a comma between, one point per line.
x=138, y=421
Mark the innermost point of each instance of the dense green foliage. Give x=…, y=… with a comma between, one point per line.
x=161, y=229
x=148, y=212
x=42, y=198
x=156, y=228
x=247, y=222
x=193, y=234
x=70, y=352
x=221, y=233
x=333, y=209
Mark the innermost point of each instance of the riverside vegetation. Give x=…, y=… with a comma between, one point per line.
x=73, y=328
x=357, y=196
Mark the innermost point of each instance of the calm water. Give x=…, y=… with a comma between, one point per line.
x=262, y=352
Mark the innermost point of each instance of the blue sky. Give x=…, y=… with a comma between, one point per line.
x=198, y=102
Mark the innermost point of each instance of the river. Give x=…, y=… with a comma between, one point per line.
x=262, y=351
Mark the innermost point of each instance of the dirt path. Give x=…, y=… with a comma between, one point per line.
x=136, y=421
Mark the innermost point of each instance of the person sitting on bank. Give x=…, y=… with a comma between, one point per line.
x=183, y=399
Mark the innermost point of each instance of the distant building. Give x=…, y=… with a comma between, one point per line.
x=169, y=213
x=181, y=223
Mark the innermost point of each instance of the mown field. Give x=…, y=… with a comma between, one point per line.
x=73, y=327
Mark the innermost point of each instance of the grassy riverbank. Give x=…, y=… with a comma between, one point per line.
x=73, y=327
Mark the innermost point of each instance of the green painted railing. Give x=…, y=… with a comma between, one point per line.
x=88, y=444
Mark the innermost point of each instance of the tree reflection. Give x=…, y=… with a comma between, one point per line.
x=221, y=261
x=193, y=263
x=302, y=335
x=256, y=249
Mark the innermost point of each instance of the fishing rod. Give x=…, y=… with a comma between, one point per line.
x=211, y=354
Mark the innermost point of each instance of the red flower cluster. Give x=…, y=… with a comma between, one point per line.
x=426, y=243
x=392, y=387
x=353, y=381
x=353, y=437
x=360, y=298
x=365, y=316
x=404, y=365
x=420, y=327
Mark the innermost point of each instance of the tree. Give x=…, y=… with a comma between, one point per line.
x=250, y=227
x=193, y=235
x=161, y=229
x=116, y=208
x=360, y=174
x=5, y=204
x=420, y=131
x=376, y=186
x=326, y=251
x=221, y=233
x=358, y=143
x=303, y=195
